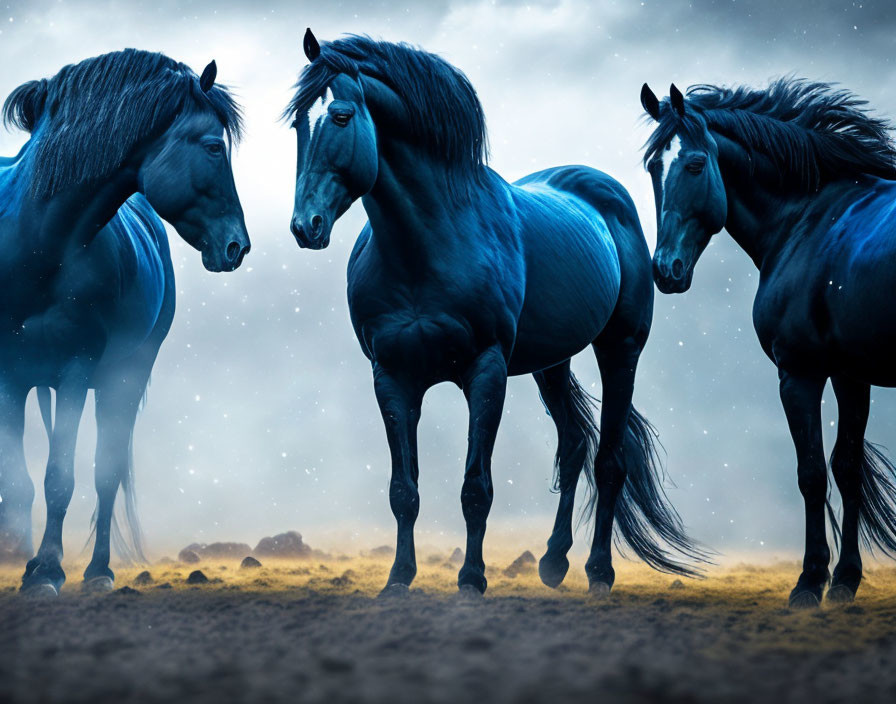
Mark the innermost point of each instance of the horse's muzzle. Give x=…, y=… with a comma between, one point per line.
x=671, y=274
x=313, y=234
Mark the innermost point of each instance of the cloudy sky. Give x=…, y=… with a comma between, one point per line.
x=261, y=416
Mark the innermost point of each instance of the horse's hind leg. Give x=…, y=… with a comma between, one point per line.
x=399, y=401
x=44, y=571
x=484, y=385
x=853, y=403
x=16, y=487
x=118, y=398
x=618, y=361
x=801, y=398
x=575, y=435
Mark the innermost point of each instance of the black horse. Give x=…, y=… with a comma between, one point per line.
x=87, y=294
x=802, y=177
x=462, y=277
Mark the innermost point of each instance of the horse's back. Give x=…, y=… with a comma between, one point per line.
x=861, y=246
x=584, y=254
x=823, y=298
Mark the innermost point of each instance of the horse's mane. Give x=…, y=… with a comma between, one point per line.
x=812, y=132
x=99, y=109
x=445, y=114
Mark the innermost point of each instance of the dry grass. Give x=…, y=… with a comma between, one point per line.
x=728, y=637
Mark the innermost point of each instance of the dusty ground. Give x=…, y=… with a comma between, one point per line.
x=315, y=632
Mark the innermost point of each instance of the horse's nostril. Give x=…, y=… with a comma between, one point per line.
x=317, y=222
x=233, y=250
x=677, y=268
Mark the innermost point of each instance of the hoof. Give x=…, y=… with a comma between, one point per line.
x=552, y=572
x=395, y=591
x=41, y=591
x=599, y=591
x=840, y=594
x=98, y=585
x=467, y=592
x=803, y=600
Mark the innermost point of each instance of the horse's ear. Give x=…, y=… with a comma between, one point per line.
x=209, y=74
x=677, y=100
x=649, y=102
x=309, y=43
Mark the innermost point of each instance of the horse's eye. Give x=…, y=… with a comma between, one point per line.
x=696, y=166
x=341, y=118
x=215, y=148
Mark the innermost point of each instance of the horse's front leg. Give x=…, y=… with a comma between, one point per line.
x=399, y=400
x=484, y=385
x=44, y=572
x=801, y=397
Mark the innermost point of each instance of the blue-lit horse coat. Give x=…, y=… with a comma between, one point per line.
x=100, y=310
x=462, y=277
x=804, y=180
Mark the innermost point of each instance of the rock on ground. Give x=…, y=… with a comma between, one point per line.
x=249, y=563
x=197, y=577
x=285, y=545
x=524, y=564
x=188, y=557
x=219, y=551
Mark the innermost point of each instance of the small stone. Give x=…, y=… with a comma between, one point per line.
x=249, y=563
x=188, y=557
x=127, y=591
x=521, y=565
x=676, y=584
x=457, y=557
x=197, y=577
x=382, y=551
x=142, y=579
x=164, y=585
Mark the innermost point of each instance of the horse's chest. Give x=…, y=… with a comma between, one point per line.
x=790, y=319
x=436, y=345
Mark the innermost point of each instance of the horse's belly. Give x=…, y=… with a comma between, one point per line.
x=569, y=300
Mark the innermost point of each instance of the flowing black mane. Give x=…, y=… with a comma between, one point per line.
x=99, y=109
x=444, y=111
x=812, y=132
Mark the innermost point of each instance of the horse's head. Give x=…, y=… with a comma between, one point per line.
x=337, y=155
x=187, y=178
x=691, y=204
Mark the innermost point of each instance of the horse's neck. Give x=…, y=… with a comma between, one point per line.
x=15, y=180
x=74, y=216
x=415, y=208
x=760, y=214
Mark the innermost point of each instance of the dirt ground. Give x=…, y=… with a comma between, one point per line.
x=315, y=632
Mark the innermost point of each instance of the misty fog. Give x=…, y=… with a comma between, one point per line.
x=260, y=415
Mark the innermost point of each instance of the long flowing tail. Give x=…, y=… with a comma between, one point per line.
x=646, y=520
x=130, y=547
x=877, y=516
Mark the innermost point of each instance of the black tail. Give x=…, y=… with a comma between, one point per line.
x=877, y=516
x=645, y=520
x=581, y=414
